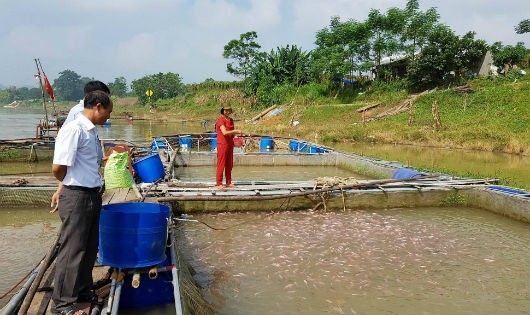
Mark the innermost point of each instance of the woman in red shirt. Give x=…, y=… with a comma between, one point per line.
x=224, y=127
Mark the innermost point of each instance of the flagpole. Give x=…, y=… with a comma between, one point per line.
x=45, y=78
x=42, y=90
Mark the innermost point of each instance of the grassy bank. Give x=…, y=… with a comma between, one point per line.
x=493, y=116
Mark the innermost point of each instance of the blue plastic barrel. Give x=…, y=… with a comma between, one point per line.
x=266, y=144
x=185, y=142
x=149, y=168
x=158, y=144
x=294, y=145
x=214, y=142
x=314, y=149
x=133, y=234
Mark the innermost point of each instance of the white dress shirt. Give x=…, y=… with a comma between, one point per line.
x=77, y=146
x=74, y=112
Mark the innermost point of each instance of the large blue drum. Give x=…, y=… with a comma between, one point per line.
x=133, y=234
x=266, y=144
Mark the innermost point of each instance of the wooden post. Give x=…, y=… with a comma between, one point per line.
x=31, y=153
x=411, y=113
x=436, y=115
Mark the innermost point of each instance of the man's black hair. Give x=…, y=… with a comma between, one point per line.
x=94, y=97
x=96, y=86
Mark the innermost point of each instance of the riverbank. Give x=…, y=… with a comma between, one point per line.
x=487, y=114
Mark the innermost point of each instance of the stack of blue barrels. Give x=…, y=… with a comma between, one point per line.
x=303, y=147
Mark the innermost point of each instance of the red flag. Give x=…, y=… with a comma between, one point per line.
x=48, y=86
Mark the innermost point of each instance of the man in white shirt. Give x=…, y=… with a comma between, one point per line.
x=72, y=115
x=78, y=109
x=76, y=163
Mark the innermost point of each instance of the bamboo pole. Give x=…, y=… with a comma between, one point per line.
x=15, y=300
x=263, y=113
x=42, y=91
x=291, y=195
x=50, y=256
x=53, y=100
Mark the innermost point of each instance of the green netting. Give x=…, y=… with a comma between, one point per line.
x=30, y=197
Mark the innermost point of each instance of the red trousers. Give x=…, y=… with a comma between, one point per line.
x=225, y=162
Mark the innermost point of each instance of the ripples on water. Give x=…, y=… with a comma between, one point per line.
x=25, y=237
x=419, y=261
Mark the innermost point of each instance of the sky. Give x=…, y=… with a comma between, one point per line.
x=106, y=39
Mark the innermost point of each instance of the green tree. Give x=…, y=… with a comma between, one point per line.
x=445, y=58
x=331, y=60
x=245, y=53
x=508, y=56
x=68, y=86
x=118, y=87
x=4, y=97
x=523, y=27
x=387, y=33
x=163, y=86
x=418, y=25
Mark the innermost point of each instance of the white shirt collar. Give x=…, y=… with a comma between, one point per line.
x=85, y=122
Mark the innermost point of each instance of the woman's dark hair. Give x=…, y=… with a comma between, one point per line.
x=94, y=97
x=222, y=110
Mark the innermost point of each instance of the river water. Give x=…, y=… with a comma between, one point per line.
x=394, y=261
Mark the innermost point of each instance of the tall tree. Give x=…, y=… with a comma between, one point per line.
x=523, y=27
x=118, y=87
x=418, y=25
x=245, y=53
x=329, y=60
x=387, y=29
x=68, y=86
